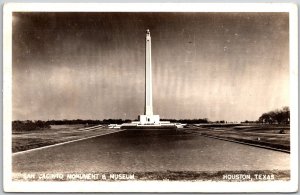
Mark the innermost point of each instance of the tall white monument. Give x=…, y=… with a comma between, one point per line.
x=148, y=118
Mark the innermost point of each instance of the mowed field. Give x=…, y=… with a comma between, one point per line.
x=26, y=140
x=270, y=136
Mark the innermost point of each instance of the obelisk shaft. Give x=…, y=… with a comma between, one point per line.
x=148, y=82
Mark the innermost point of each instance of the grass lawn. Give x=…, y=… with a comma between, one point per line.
x=26, y=140
x=272, y=136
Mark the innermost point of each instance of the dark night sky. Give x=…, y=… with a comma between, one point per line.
x=221, y=66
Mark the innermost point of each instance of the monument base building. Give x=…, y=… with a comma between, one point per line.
x=149, y=119
x=139, y=125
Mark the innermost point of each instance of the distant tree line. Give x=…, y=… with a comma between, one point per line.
x=188, y=121
x=247, y=121
x=222, y=121
x=278, y=116
x=73, y=122
x=87, y=122
x=29, y=125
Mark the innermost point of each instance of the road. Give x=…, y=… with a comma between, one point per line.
x=147, y=150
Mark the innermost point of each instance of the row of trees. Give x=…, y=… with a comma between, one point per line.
x=88, y=122
x=278, y=116
x=187, y=121
x=29, y=125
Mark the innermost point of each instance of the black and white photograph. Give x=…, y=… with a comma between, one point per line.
x=153, y=97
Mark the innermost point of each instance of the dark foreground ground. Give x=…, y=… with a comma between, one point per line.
x=154, y=155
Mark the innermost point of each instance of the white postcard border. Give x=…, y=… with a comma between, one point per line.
x=147, y=186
